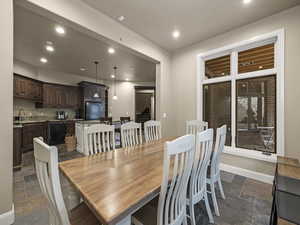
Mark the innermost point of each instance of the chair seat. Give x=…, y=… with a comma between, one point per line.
x=82, y=215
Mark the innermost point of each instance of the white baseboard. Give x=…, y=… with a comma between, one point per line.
x=247, y=173
x=8, y=218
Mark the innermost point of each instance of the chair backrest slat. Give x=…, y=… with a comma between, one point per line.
x=99, y=138
x=131, y=134
x=195, y=126
x=204, y=144
x=219, y=148
x=46, y=164
x=178, y=160
x=152, y=130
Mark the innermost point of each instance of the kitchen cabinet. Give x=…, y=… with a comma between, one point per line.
x=60, y=96
x=87, y=92
x=46, y=94
x=27, y=88
x=17, y=151
x=30, y=131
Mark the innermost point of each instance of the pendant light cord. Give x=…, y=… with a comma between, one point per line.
x=96, y=63
x=115, y=91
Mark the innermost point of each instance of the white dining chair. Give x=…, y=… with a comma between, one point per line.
x=46, y=164
x=131, y=134
x=99, y=138
x=195, y=126
x=177, y=167
x=197, y=190
x=214, y=170
x=152, y=130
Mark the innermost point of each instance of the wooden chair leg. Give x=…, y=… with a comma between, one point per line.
x=209, y=213
x=192, y=214
x=221, y=188
x=185, y=221
x=214, y=198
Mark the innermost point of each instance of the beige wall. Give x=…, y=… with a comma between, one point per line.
x=6, y=109
x=125, y=104
x=184, y=78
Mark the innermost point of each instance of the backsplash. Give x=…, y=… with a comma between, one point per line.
x=30, y=112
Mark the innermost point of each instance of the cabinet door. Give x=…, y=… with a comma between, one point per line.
x=27, y=137
x=72, y=97
x=20, y=87
x=49, y=95
x=27, y=88
x=30, y=89
x=36, y=91
x=17, y=154
x=63, y=96
x=31, y=131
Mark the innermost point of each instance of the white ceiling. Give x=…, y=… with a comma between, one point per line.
x=73, y=50
x=196, y=19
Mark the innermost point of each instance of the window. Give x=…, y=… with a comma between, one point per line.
x=259, y=58
x=217, y=67
x=242, y=86
x=256, y=113
x=217, y=106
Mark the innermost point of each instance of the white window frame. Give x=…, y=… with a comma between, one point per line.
x=276, y=37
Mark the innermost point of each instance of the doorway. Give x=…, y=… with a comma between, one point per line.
x=144, y=104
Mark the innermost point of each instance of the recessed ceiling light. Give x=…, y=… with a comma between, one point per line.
x=112, y=76
x=83, y=69
x=43, y=60
x=176, y=34
x=247, y=1
x=127, y=79
x=111, y=50
x=121, y=18
x=60, y=30
x=49, y=48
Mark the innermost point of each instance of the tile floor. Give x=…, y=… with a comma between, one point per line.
x=248, y=202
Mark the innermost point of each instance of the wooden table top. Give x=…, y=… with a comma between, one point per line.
x=115, y=184
x=288, y=171
x=284, y=222
x=288, y=161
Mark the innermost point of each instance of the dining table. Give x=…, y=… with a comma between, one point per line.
x=116, y=184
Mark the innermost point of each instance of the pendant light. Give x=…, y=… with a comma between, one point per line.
x=115, y=97
x=96, y=94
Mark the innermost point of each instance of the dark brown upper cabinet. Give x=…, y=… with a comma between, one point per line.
x=27, y=88
x=87, y=94
x=89, y=89
x=60, y=96
x=47, y=94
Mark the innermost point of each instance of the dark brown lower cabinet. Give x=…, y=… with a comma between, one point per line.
x=30, y=131
x=17, y=151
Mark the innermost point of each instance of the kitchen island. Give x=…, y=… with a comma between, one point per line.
x=80, y=132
